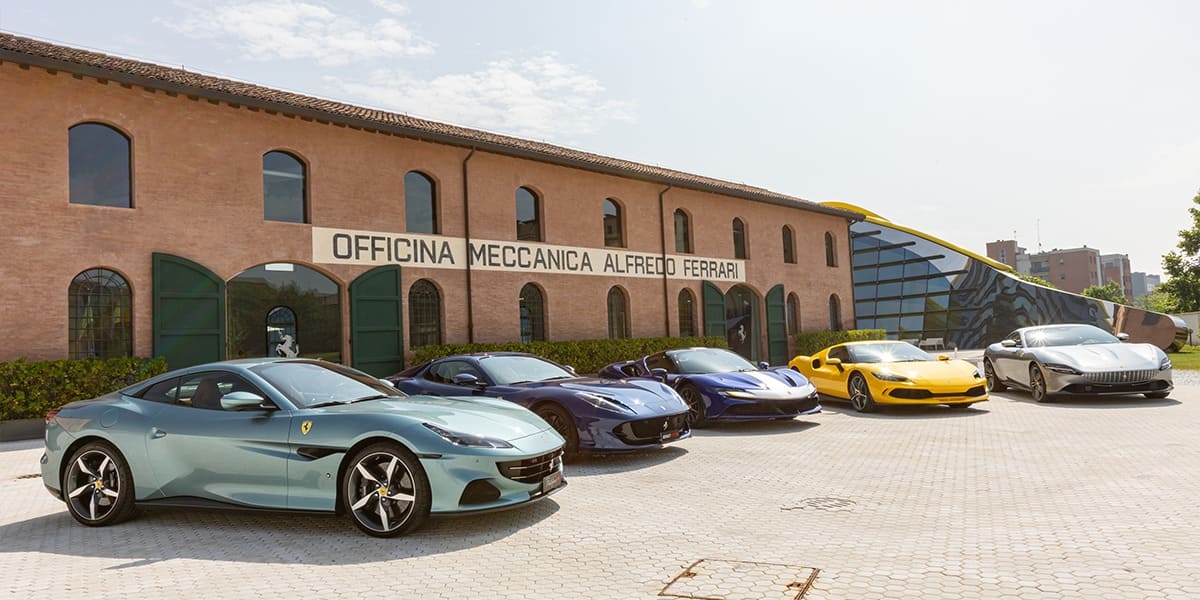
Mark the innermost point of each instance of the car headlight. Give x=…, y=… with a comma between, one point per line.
x=604, y=402
x=978, y=375
x=1064, y=369
x=736, y=393
x=888, y=376
x=1164, y=364
x=467, y=439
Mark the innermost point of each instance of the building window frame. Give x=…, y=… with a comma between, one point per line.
x=281, y=208
x=531, y=309
x=99, y=314
x=835, y=313
x=614, y=223
x=830, y=250
x=93, y=158
x=424, y=314
x=741, y=248
x=618, y=313
x=420, y=190
x=683, y=231
x=686, y=304
x=529, y=230
x=792, y=310
x=789, y=244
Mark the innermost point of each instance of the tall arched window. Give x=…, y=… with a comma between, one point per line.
x=739, y=239
x=789, y=245
x=420, y=203
x=683, y=232
x=793, y=314
x=99, y=165
x=830, y=250
x=100, y=315
x=529, y=227
x=284, y=191
x=614, y=227
x=533, y=314
x=282, y=332
x=687, y=313
x=618, y=313
x=835, y=313
x=424, y=314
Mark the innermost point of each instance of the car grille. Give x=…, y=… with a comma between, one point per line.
x=650, y=431
x=910, y=394
x=531, y=470
x=782, y=408
x=1112, y=377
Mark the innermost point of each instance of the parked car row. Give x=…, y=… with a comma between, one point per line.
x=490, y=431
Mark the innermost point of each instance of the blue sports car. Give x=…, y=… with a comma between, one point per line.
x=295, y=434
x=720, y=385
x=592, y=414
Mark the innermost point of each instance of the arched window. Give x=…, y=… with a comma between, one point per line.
x=281, y=332
x=424, y=314
x=100, y=315
x=835, y=313
x=529, y=227
x=793, y=314
x=533, y=314
x=830, y=250
x=420, y=203
x=687, y=313
x=789, y=245
x=683, y=232
x=618, y=313
x=614, y=228
x=283, y=188
x=99, y=165
x=739, y=239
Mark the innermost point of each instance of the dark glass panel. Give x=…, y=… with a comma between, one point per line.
x=424, y=314
x=533, y=314
x=914, y=287
x=528, y=213
x=420, y=205
x=683, y=232
x=864, y=292
x=613, y=228
x=739, y=239
x=100, y=315
x=618, y=314
x=99, y=165
x=789, y=245
x=311, y=297
x=283, y=188
x=687, y=313
x=864, y=308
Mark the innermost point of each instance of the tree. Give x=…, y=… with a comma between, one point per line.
x=1157, y=301
x=1110, y=291
x=1036, y=279
x=1183, y=267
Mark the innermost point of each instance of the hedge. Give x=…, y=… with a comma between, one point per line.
x=808, y=344
x=28, y=390
x=587, y=356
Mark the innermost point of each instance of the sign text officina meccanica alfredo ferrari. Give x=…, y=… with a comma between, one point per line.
x=347, y=247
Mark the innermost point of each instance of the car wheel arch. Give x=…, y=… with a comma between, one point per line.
x=353, y=450
x=77, y=444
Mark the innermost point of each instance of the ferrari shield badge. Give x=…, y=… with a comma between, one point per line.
x=305, y=427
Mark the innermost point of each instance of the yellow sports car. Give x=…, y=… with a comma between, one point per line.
x=891, y=372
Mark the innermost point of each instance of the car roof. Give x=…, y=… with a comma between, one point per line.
x=1057, y=326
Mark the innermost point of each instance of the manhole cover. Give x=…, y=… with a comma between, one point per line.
x=29, y=476
x=828, y=504
x=708, y=579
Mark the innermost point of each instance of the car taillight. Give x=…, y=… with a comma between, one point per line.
x=53, y=413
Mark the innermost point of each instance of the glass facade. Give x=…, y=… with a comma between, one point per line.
x=298, y=307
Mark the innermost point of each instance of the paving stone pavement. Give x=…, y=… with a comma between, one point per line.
x=1077, y=499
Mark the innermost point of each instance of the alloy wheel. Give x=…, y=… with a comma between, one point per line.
x=381, y=493
x=1037, y=384
x=93, y=485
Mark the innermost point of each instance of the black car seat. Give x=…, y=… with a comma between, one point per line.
x=207, y=395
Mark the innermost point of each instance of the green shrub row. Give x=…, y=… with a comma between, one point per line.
x=587, y=356
x=811, y=343
x=28, y=390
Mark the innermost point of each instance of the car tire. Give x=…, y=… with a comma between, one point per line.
x=1037, y=384
x=860, y=394
x=385, y=490
x=98, y=485
x=558, y=418
x=697, y=408
x=989, y=376
x=1156, y=395
x=960, y=405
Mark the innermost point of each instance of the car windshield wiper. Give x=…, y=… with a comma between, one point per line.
x=517, y=382
x=327, y=403
x=371, y=397
x=559, y=377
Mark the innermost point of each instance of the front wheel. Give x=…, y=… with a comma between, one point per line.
x=989, y=375
x=860, y=394
x=697, y=410
x=557, y=417
x=98, y=485
x=385, y=490
x=1037, y=384
x=1156, y=395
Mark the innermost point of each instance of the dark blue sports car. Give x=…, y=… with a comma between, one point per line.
x=720, y=385
x=591, y=414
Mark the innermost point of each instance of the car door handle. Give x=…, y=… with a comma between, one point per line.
x=156, y=433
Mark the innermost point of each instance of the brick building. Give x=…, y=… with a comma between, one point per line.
x=155, y=211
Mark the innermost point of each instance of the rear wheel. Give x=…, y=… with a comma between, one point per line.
x=860, y=394
x=385, y=490
x=98, y=485
x=1037, y=384
x=989, y=375
x=697, y=410
x=557, y=417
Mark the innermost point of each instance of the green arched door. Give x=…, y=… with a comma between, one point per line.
x=377, y=321
x=189, y=312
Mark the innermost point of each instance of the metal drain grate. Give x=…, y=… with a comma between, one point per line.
x=708, y=579
x=29, y=476
x=826, y=504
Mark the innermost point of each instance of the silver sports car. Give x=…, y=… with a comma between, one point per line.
x=1050, y=360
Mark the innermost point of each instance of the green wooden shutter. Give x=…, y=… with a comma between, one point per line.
x=714, y=310
x=377, y=321
x=189, y=312
x=777, y=342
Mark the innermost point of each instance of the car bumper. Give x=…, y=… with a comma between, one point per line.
x=639, y=433
x=1092, y=384
x=738, y=409
x=483, y=482
x=916, y=394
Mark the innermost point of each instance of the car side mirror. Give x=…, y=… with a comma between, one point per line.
x=1009, y=343
x=1124, y=337
x=387, y=382
x=659, y=374
x=569, y=369
x=244, y=400
x=467, y=379
x=834, y=362
x=943, y=357
x=763, y=365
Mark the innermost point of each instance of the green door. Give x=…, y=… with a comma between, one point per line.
x=189, y=312
x=376, y=321
x=777, y=342
x=714, y=310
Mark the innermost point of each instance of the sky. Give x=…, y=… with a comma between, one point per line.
x=1064, y=123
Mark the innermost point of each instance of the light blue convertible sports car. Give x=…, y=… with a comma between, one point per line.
x=295, y=434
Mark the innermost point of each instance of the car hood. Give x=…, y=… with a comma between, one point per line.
x=781, y=382
x=479, y=416
x=646, y=397
x=1103, y=357
x=928, y=369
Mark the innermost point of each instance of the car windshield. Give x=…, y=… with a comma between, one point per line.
x=886, y=353
x=308, y=384
x=509, y=370
x=710, y=360
x=1079, y=335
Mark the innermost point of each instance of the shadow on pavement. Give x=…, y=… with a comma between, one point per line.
x=1135, y=401
x=895, y=411
x=158, y=535
x=752, y=428
x=621, y=462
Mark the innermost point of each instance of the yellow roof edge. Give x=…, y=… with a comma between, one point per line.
x=872, y=217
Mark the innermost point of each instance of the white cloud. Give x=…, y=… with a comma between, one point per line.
x=539, y=97
x=295, y=29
